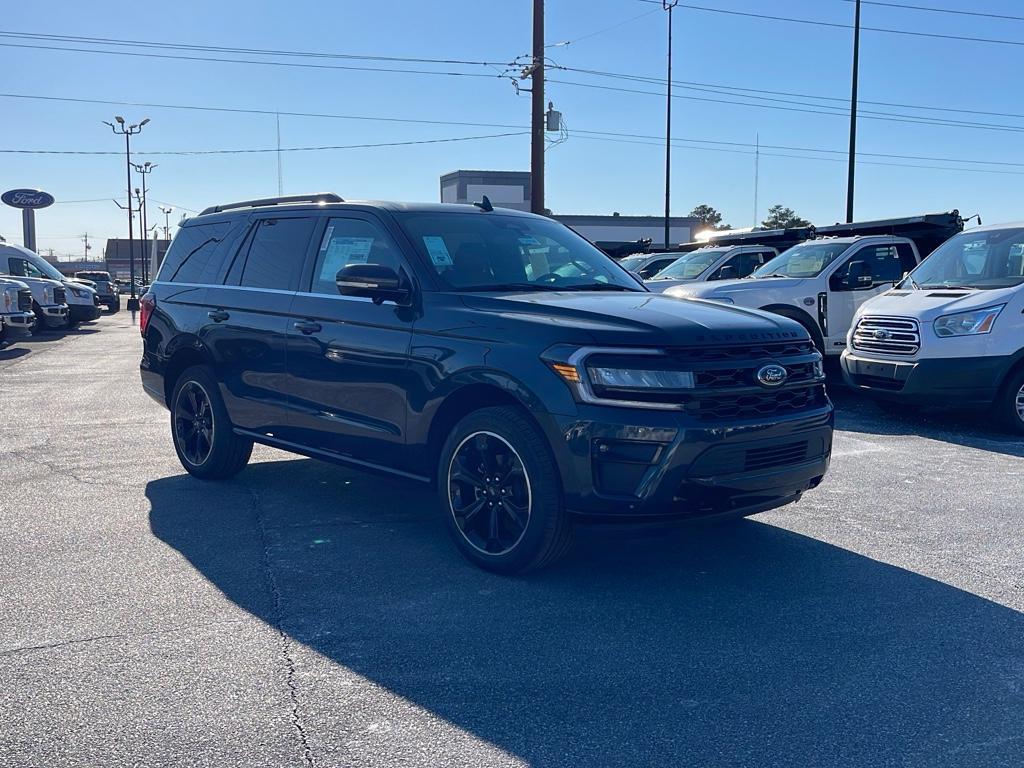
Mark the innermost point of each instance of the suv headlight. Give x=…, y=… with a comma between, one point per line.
x=967, y=323
x=636, y=377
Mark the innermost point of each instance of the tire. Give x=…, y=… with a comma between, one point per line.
x=215, y=452
x=505, y=441
x=1009, y=405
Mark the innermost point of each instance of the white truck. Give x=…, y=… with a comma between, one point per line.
x=82, y=303
x=16, y=316
x=819, y=283
x=952, y=332
x=49, y=298
x=711, y=263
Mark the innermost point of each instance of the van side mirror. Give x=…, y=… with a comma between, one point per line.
x=728, y=272
x=372, y=281
x=858, y=277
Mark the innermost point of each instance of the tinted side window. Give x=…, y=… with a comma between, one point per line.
x=276, y=254
x=190, y=257
x=884, y=262
x=351, y=241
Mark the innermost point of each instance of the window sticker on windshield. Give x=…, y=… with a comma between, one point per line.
x=342, y=251
x=438, y=251
x=529, y=241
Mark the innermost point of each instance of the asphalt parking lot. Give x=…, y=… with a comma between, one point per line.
x=302, y=614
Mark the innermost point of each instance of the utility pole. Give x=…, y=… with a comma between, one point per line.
x=757, y=170
x=87, y=247
x=853, y=115
x=128, y=131
x=144, y=170
x=668, y=5
x=537, y=111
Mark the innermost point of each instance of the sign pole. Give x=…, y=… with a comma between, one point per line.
x=28, y=228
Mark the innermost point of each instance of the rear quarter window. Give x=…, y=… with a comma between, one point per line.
x=196, y=254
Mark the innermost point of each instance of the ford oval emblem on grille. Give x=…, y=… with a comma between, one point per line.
x=771, y=375
x=881, y=334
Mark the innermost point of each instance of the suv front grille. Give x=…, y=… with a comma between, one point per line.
x=725, y=383
x=888, y=335
x=24, y=300
x=60, y=296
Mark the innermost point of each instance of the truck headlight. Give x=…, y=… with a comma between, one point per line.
x=8, y=303
x=47, y=296
x=79, y=292
x=967, y=323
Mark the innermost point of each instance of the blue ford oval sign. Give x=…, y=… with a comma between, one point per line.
x=771, y=375
x=27, y=198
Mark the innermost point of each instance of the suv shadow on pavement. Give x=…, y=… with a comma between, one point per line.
x=974, y=429
x=743, y=645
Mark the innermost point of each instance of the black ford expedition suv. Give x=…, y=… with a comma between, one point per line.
x=493, y=354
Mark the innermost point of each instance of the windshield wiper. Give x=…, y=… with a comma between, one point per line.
x=773, y=274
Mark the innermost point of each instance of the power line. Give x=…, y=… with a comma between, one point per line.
x=208, y=59
x=602, y=30
x=378, y=118
x=821, y=109
x=719, y=88
x=260, y=150
x=837, y=25
x=225, y=49
x=905, y=6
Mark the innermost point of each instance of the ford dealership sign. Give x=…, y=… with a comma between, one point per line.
x=27, y=198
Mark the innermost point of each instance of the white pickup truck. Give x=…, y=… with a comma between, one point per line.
x=49, y=297
x=952, y=332
x=81, y=302
x=16, y=316
x=711, y=263
x=819, y=283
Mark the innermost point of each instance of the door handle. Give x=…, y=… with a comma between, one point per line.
x=307, y=327
x=218, y=315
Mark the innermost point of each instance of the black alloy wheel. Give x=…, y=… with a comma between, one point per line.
x=194, y=423
x=489, y=493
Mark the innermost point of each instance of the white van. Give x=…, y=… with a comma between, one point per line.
x=711, y=263
x=819, y=283
x=82, y=301
x=952, y=332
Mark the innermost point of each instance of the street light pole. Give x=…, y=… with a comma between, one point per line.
x=668, y=5
x=128, y=131
x=167, y=211
x=144, y=169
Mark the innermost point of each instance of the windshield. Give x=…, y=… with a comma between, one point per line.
x=804, y=260
x=44, y=266
x=634, y=261
x=691, y=265
x=492, y=252
x=985, y=260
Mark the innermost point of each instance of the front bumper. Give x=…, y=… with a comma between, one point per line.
x=622, y=465
x=109, y=299
x=54, y=316
x=19, y=324
x=960, y=381
x=80, y=313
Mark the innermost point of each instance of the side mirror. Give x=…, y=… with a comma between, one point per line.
x=373, y=281
x=858, y=277
x=728, y=272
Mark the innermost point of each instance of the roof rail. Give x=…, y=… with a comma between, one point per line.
x=322, y=197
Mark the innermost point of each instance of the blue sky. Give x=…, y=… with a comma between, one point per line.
x=585, y=174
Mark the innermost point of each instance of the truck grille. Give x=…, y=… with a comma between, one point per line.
x=725, y=384
x=60, y=296
x=888, y=335
x=24, y=300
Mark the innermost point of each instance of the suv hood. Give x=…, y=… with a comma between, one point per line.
x=928, y=304
x=735, y=288
x=646, y=319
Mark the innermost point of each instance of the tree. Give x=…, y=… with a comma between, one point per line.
x=709, y=217
x=780, y=217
